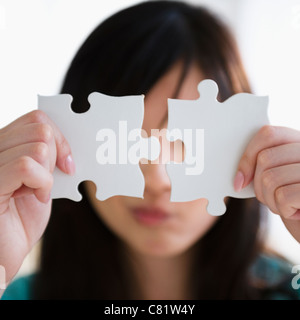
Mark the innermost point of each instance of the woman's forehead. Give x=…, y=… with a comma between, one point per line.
x=156, y=100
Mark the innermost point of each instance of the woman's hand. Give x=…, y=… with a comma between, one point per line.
x=30, y=147
x=272, y=161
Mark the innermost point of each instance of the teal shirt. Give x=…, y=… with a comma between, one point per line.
x=269, y=270
x=19, y=289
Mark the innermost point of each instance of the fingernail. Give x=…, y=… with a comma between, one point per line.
x=238, y=181
x=70, y=165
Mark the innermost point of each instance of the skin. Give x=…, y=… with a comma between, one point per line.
x=32, y=145
x=272, y=161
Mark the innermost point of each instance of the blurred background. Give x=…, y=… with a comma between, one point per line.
x=38, y=39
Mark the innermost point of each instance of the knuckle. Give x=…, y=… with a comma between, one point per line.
x=24, y=165
x=281, y=196
x=268, y=179
x=268, y=132
x=40, y=151
x=264, y=158
x=37, y=116
x=45, y=132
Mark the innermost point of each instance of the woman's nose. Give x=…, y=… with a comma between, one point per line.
x=157, y=182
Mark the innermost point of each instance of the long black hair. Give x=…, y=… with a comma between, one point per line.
x=127, y=54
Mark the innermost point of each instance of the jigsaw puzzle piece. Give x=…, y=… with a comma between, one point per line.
x=102, y=140
x=220, y=134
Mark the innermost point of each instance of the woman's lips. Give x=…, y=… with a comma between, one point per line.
x=150, y=216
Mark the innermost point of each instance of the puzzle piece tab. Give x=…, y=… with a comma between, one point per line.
x=87, y=133
x=224, y=130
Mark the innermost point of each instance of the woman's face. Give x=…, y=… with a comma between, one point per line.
x=154, y=225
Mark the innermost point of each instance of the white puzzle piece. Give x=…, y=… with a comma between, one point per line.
x=86, y=134
x=220, y=134
x=223, y=130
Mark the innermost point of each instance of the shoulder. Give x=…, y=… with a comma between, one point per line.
x=19, y=289
x=274, y=276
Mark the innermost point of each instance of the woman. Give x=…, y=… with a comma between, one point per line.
x=128, y=248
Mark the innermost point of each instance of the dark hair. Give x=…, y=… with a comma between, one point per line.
x=124, y=55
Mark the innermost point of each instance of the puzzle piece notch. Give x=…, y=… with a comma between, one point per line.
x=81, y=130
x=228, y=127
